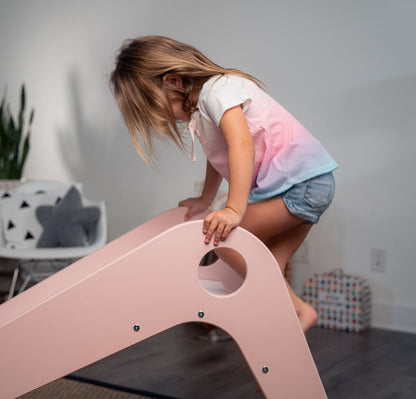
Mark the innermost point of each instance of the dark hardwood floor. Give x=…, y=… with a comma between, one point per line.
x=377, y=364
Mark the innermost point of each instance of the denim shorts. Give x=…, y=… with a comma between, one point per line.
x=310, y=198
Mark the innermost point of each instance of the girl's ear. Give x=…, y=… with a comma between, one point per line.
x=172, y=81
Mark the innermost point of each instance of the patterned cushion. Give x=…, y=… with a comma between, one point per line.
x=20, y=226
x=67, y=224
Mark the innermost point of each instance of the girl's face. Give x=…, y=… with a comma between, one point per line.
x=178, y=112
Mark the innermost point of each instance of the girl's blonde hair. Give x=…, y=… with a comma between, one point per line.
x=137, y=84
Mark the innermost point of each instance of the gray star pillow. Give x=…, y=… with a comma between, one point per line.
x=67, y=224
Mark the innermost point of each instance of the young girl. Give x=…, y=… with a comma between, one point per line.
x=280, y=177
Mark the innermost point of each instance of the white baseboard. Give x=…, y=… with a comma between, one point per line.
x=398, y=316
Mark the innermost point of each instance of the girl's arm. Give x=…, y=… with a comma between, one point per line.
x=212, y=183
x=240, y=163
x=198, y=204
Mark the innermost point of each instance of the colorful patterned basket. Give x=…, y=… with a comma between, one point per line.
x=343, y=301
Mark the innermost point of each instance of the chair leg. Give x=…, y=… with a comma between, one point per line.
x=14, y=280
x=25, y=283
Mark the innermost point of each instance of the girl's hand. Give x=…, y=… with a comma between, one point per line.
x=194, y=205
x=219, y=224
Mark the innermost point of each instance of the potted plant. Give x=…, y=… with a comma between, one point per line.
x=14, y=139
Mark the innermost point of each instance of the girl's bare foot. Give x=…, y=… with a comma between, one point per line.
x=307, y=315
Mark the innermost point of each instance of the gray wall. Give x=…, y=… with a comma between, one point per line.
x=347, y=70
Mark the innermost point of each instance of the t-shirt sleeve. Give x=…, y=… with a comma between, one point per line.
x=223, y=94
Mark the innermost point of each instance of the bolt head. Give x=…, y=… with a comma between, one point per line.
x=201, y=314
x=136, y=327
x=265, y=369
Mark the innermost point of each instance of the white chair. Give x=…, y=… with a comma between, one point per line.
x=35, y=264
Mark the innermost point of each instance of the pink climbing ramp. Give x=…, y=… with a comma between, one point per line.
x=143, y=283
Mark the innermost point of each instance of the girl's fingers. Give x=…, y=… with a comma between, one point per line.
x=219, y=234
x=216, y=229
x=226, y=232
x=188, y=214
x=209, y=229
x=217, y=224
x=182, y=203
x=194, y=205
x=205, y=226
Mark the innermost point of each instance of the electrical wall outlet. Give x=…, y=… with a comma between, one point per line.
x=378, y=260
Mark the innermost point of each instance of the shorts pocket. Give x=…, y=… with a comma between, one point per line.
x=320, y=191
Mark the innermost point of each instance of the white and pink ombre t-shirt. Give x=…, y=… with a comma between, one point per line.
x=285, y=152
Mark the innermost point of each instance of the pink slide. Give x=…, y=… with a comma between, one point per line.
x=143, y=283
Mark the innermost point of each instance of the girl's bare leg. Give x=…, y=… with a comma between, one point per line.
x=283, y=233
x=283, y=247
x=233, y=259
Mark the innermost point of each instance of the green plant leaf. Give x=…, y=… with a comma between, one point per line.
x=32, y=115
x=22, y=107
x=25, y=151
x=14, y=144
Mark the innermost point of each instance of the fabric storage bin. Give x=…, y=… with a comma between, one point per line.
x=342, y=301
